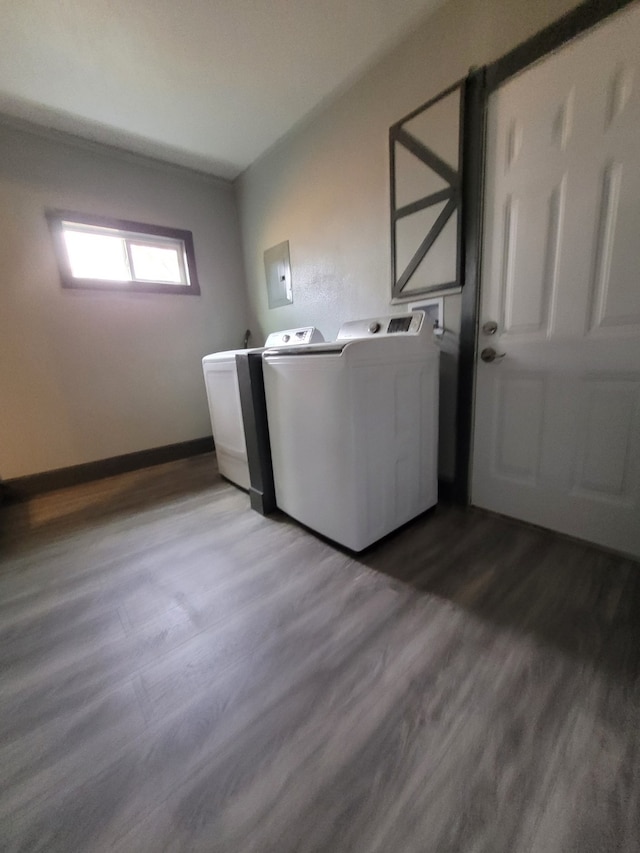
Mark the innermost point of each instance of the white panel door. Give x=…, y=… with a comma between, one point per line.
x=557, y=419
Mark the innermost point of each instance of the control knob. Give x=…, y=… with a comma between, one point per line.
x=285, y=338
x=374, y=327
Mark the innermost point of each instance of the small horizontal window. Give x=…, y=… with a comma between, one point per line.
x=94, y=252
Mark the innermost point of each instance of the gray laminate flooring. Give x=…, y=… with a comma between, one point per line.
x=182, y=674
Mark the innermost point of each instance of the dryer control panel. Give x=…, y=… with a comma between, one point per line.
x=403, y=324
x=294, y=337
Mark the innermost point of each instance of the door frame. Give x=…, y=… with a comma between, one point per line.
x=479, y=85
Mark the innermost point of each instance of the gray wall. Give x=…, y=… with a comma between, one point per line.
x=325, y=186
x=86, y=376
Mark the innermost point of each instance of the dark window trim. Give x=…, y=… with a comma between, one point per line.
x=480, y=84
x=56, y=217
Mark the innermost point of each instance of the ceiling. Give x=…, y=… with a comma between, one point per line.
x=209, y=84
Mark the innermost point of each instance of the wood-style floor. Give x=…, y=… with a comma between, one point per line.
x=181, y=674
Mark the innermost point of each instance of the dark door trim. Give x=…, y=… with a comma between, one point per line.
x=472, y=190
x=575, y=22
x=479, y=85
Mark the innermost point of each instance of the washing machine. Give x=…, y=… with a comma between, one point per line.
x=353, y=427
x=223, y=397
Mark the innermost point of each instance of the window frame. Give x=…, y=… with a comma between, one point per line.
x=132, y=230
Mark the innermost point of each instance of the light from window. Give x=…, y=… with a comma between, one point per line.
x=153, y=263
x=96, y=255
x=94, y=252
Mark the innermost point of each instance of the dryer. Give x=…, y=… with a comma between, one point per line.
x=353, y=426
x=223, y=397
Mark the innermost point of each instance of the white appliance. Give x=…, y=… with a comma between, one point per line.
x=223, y=396
x=353, y=427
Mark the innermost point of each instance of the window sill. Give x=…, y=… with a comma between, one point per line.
x=130, y=286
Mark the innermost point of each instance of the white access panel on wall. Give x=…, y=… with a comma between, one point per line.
x=557, y=418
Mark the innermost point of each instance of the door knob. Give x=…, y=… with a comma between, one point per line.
x=490, y=327
x=488, y=354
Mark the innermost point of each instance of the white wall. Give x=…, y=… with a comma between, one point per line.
x=87, y=376
x=325, y=186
